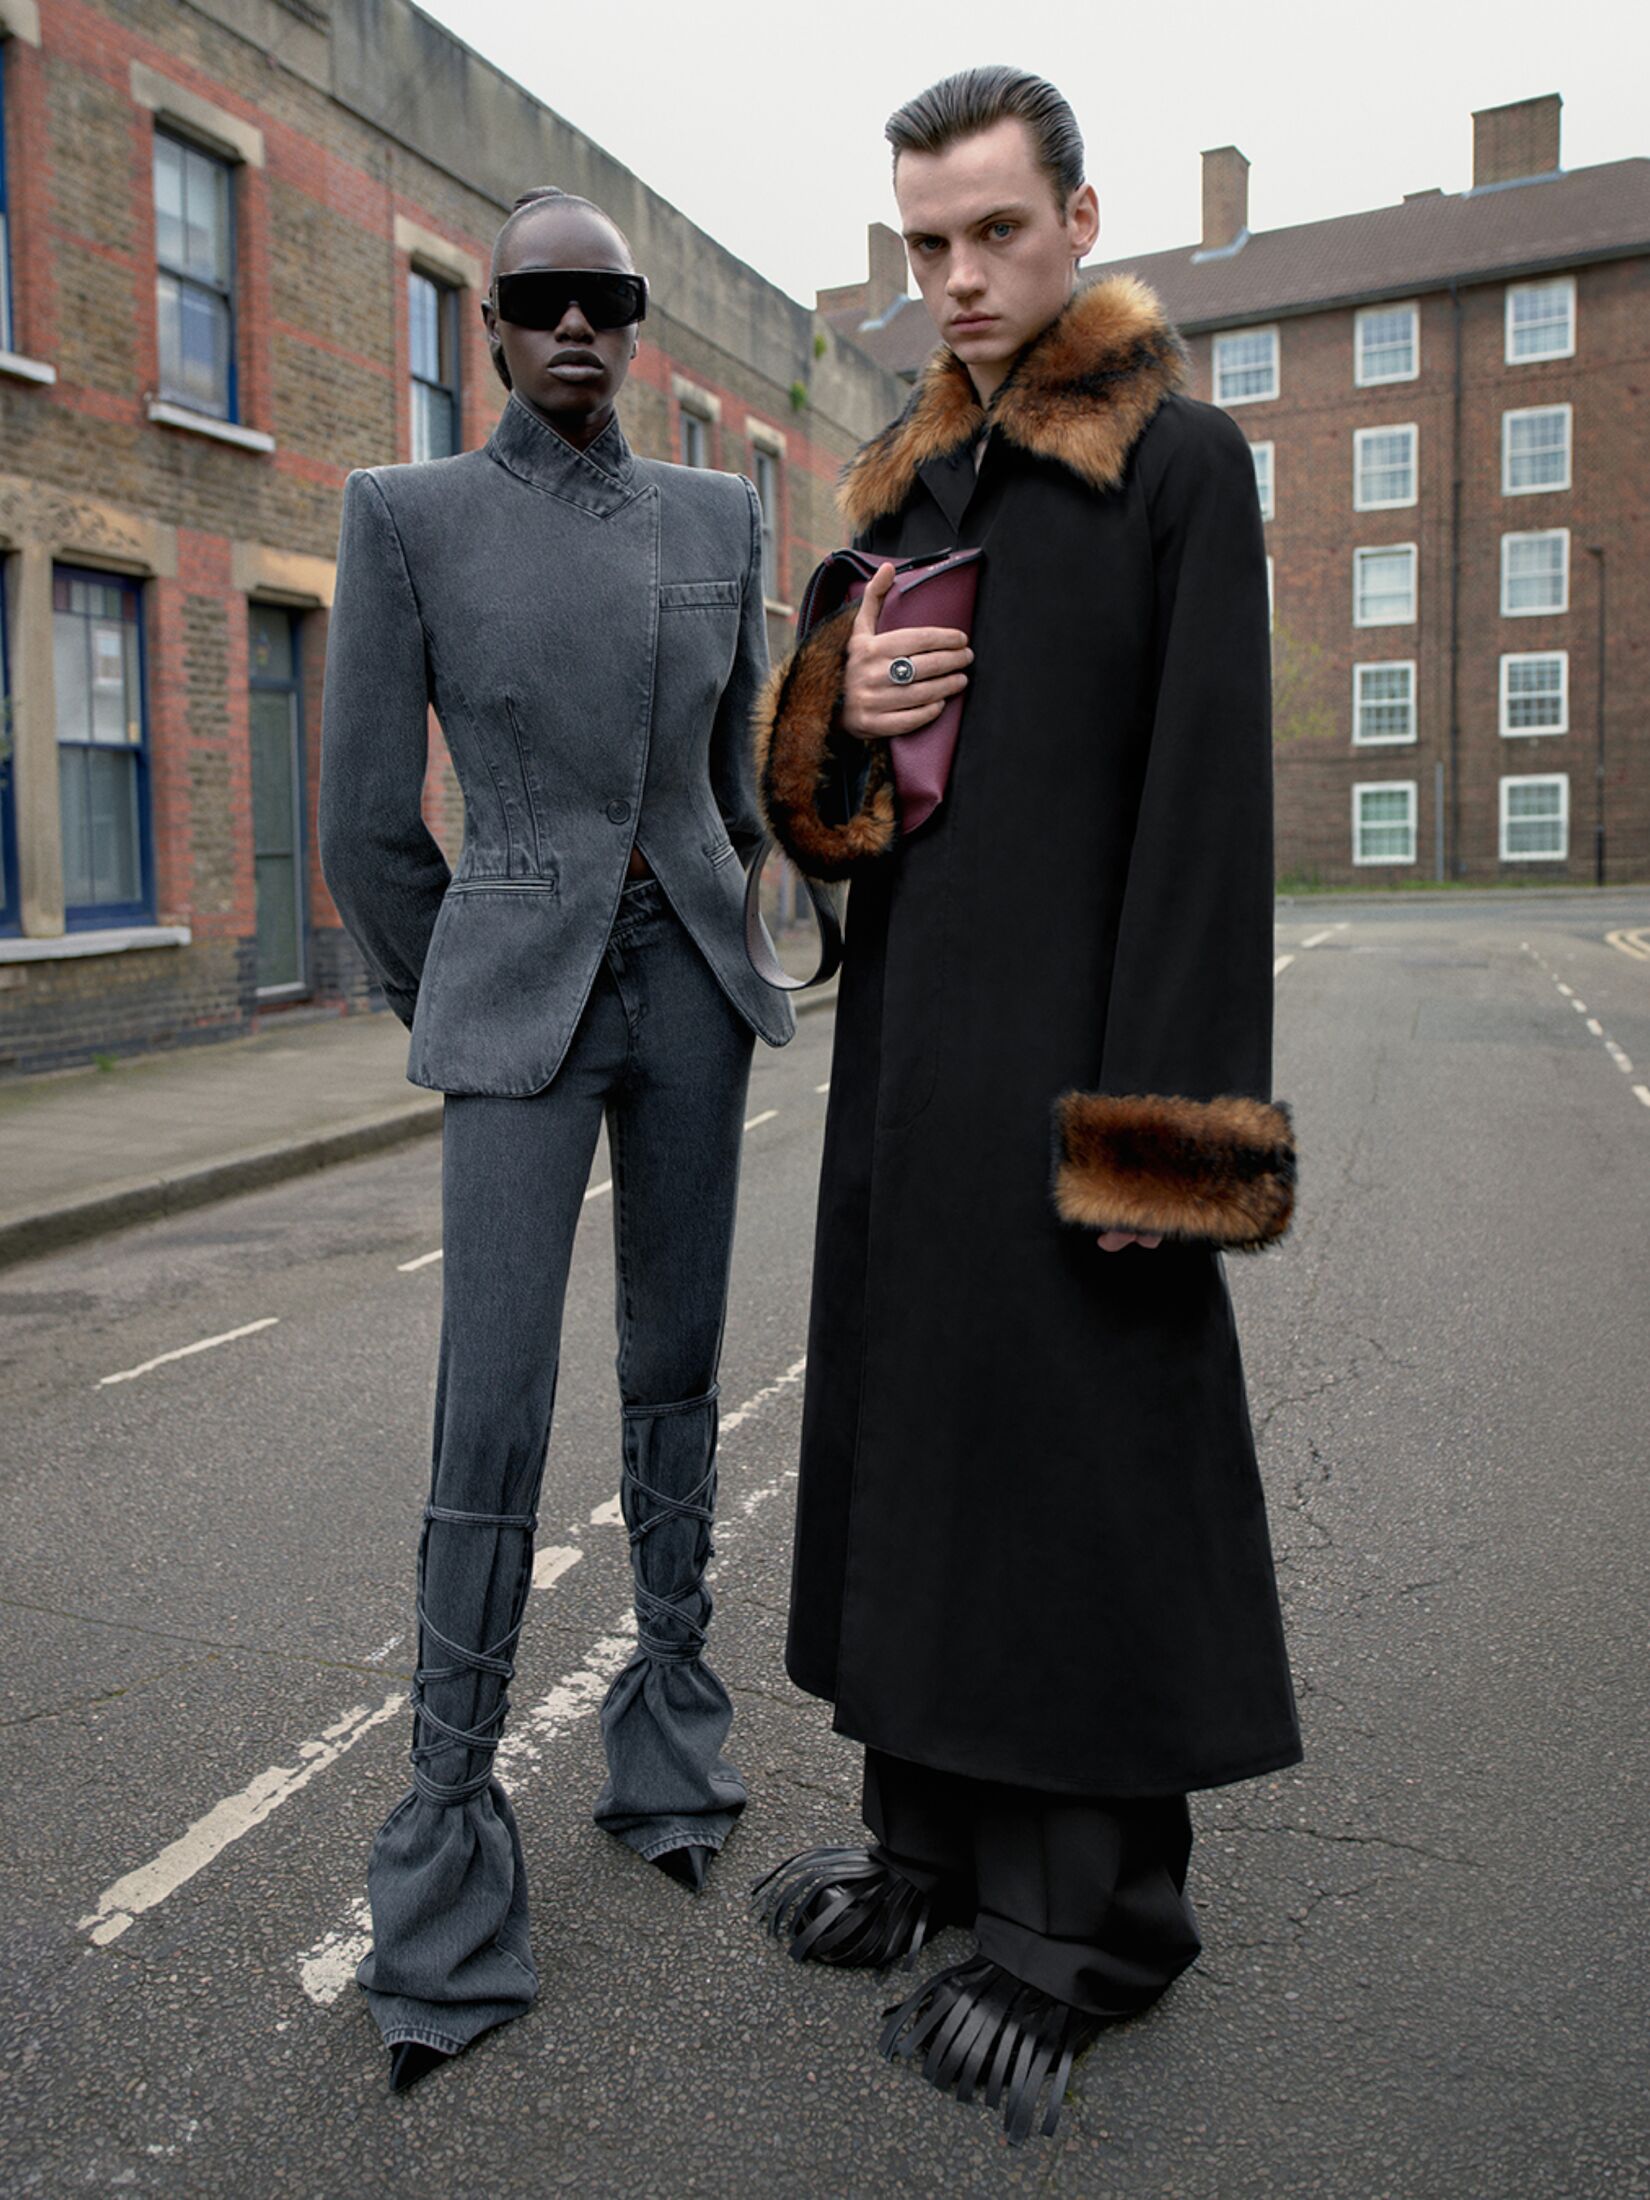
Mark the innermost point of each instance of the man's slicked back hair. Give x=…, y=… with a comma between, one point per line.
x=961, y=106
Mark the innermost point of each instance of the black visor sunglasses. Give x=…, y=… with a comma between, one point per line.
x=538, y=297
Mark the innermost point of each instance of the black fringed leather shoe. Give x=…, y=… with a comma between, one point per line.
x=411, y=2060
x=847, y=1907
x=976, y=2029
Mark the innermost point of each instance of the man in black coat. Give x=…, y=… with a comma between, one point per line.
x=1032, y=1567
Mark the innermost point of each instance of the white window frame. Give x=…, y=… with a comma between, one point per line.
x=1361, y=787
x=1386, y=550
x=1271, y=600
x=1562, y=351
x=1561, y=780
x=1360, y=437
x=1269, y=494
x=1375, y=381
x=1529, y=657
x=1534, y=412
x=1542, y=610
x=1245, y=335
x=1362, y=740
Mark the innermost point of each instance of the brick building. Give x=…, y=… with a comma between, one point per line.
x=242, y=244
x=1449, y=404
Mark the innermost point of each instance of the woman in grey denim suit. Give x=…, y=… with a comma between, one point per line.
x=589, y=627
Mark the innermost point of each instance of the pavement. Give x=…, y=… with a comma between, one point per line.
x=85, y=1151
x=1423, y=1972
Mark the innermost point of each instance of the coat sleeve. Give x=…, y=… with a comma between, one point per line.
x=827, y=796
x=732, y=772
x=1182, y=1136
x=381, y=863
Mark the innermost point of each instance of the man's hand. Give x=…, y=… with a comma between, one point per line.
x=1113, y=1241
x=874, y=706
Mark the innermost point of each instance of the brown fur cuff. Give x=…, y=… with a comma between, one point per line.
x=795, y=766
x=1214, y=1172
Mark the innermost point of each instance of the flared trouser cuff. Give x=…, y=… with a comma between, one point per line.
x=667, y=1714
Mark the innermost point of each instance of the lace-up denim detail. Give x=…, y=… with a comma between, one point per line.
x=664, y=1056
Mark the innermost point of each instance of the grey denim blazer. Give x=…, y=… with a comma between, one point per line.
x=589, y=627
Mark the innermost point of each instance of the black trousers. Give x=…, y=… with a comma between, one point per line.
x=1081, y=1896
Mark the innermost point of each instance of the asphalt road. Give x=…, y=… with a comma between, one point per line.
x=1424, y=1970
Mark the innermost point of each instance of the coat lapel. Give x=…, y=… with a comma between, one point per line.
x=1080, y=393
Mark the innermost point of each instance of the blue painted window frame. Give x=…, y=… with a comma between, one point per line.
x=102, y=916
x=8, y=332
x=10, y=903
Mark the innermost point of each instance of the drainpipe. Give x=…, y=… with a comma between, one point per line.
x=1596, y=550
x=1453, y=836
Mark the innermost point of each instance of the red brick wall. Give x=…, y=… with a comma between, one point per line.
x=1311, y=425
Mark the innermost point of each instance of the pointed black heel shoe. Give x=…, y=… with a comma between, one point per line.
x=411, y=2060
x=847, y=1907
x=972, y=2027
x=687, y=1865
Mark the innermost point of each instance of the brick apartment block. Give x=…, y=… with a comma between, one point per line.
x=168, y=560
x=1477, y=365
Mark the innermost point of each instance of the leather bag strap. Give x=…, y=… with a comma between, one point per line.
x=759, y=943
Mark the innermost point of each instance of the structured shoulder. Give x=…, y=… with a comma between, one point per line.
x=419, y=482
x=1186, y=437
x=704, y=487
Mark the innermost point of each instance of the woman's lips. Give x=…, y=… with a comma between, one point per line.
x=573, y=370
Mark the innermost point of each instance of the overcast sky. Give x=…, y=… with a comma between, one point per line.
x=763, y=123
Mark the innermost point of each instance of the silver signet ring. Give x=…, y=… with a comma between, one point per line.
x=902, y=672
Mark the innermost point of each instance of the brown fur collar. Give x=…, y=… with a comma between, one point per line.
x=1216, y=1172
x=1081, y=392
x=792, y=724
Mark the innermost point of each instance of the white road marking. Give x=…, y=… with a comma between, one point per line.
x=553, y=1561
x=187, y=1351
x=1595, y=1027
x=1281, y=965
x=1617, y=1054
x=1642, y=1092
x=824, y=1087
x=1619, y=1057
x=377, y=1657
x=1318, y=938
x=327, y=1967
x=406, y=1267
x=130, y=1896
x=1580, y=1007
x=596, y=1190
x=766, y=1116
x=1636, y=943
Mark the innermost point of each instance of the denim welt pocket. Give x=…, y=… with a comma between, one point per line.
x=504, y=886
x=698, y=595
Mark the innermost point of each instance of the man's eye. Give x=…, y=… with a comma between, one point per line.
x=929, y=245
x=1003, y=229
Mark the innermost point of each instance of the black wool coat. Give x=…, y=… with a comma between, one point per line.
x=1031, y=1543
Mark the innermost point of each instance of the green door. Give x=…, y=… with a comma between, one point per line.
x=277, y=801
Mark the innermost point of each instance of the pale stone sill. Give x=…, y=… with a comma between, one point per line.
x=113, y=942
x=220, y=431
x=26, y=370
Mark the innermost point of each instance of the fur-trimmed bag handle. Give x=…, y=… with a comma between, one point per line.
x=759, y=942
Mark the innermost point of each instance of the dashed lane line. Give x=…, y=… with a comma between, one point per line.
x=1617, y=1054
x=187, y=1351
x=1281, y=964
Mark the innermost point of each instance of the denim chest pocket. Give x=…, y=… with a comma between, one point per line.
x=699, y=596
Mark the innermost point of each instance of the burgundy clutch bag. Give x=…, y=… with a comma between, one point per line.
x=938, y=590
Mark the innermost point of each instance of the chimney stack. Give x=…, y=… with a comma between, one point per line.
x=1513, y=143
x=1225, y=197
x=886, y=254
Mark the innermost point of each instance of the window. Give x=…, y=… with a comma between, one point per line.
x=1261, y=453
x=1271, y=596
x=97, y=656
x=1386, y=345
x=767, y=495
x=1383, y=468
x=276, y=726
x=1383, y=586
x=1383, y=703
x=1535, y=818
x=1383, y=821
x=695, y=439
x=8, y=816
x=1535, y=450
x=5, y=224
x=1246, y=366
x=1541, y=320
x=194, y=288
x=432, y=347
x=1535, y=691
x=1535, y=573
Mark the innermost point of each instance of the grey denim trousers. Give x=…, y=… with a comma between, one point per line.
x=661, y=1052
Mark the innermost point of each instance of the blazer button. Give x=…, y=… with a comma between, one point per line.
x=619, y=812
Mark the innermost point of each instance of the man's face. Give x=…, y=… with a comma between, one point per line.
x=992, y=257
